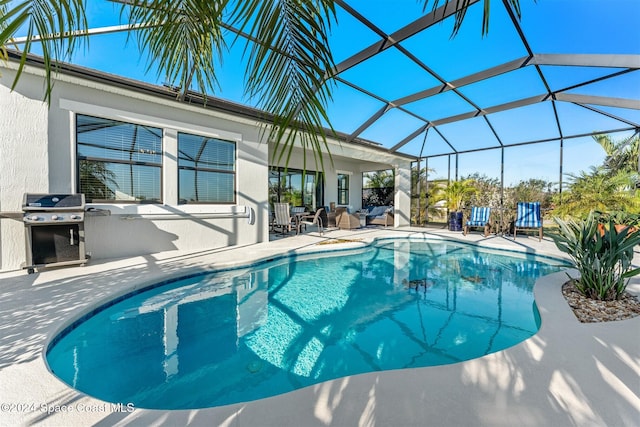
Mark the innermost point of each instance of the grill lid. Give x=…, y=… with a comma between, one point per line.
x=53, y=202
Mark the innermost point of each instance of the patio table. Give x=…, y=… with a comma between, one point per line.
x=298, y=218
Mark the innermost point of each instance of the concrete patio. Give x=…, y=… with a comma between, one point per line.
x=569, y=374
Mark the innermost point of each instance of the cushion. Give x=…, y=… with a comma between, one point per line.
x=479, y=216
x=378, y=210
x=528, y=215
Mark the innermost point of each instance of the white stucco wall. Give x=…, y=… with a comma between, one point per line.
x=38, y=155
x=402, y=196
x=24, y=159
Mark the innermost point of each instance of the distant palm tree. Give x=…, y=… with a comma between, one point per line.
x=97, y=181
x=429, y=197
x=457, y=193
x=600, y=191
x=622, y=155
x=289, y=69
x=378, y=188
x=378, y=179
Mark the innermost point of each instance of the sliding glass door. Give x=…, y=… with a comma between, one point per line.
x=296, y=188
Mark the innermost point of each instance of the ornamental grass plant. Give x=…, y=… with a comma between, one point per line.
x=603, y=257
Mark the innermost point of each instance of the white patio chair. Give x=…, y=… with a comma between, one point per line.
x=283, y=217
x=312, y=220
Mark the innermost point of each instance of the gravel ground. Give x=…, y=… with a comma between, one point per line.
x=588, y=310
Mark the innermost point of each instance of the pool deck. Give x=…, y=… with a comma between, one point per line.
x=568, y=374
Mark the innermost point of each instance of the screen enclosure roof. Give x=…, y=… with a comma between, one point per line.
x=403, y=82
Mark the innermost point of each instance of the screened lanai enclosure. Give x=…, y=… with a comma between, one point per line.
x=519, y=107
x=519, y=110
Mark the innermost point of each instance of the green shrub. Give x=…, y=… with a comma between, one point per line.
x=602, y=255
x=619, y=217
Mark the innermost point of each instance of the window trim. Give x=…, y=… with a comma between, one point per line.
x=169, y=127
x=159, y=165
x=145, y=120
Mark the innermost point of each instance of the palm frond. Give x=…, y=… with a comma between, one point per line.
x=606, y=143
x=461, y=6
x=598, y=190
x=288, y=70
x=183, y=38
x=622, y=155
x=55, y=24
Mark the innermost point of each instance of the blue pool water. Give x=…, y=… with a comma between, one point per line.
x=246, y=334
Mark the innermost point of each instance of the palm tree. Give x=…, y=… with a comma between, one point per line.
x=97, y=181
x=429, y=209
x=622, y=155
x=598, y=190
x=378, y=188
x=379, y=179
x=608, y=188
x=289, y=69
x=457, y=193
x=424, y=195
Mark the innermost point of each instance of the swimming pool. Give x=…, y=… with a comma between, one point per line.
x=245, y=334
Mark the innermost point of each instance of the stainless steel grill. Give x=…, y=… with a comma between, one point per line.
x=54, y=230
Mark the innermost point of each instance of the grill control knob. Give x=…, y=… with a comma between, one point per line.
x=74, y=216
x=34, y=217
x=54, y=217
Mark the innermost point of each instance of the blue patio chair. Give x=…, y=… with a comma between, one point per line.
x=528, y=218
x=479, y=218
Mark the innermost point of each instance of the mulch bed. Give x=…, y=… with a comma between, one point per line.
x=589, y=310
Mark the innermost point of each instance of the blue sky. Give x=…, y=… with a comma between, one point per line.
x=551, y=26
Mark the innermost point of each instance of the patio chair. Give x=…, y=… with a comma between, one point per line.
x=283, y=217
x=528, y=218
x=381, y=215
x=297, y=212
x=345, y=220
x=315, y=219
x=479, y=218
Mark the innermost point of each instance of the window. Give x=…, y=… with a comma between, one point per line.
x=286, y=185
x=206, y=169
x=343, y=189
x=118, y=161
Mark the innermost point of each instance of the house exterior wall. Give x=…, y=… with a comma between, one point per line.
x=38, y=155
x=354, y=161
x=24, y=161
